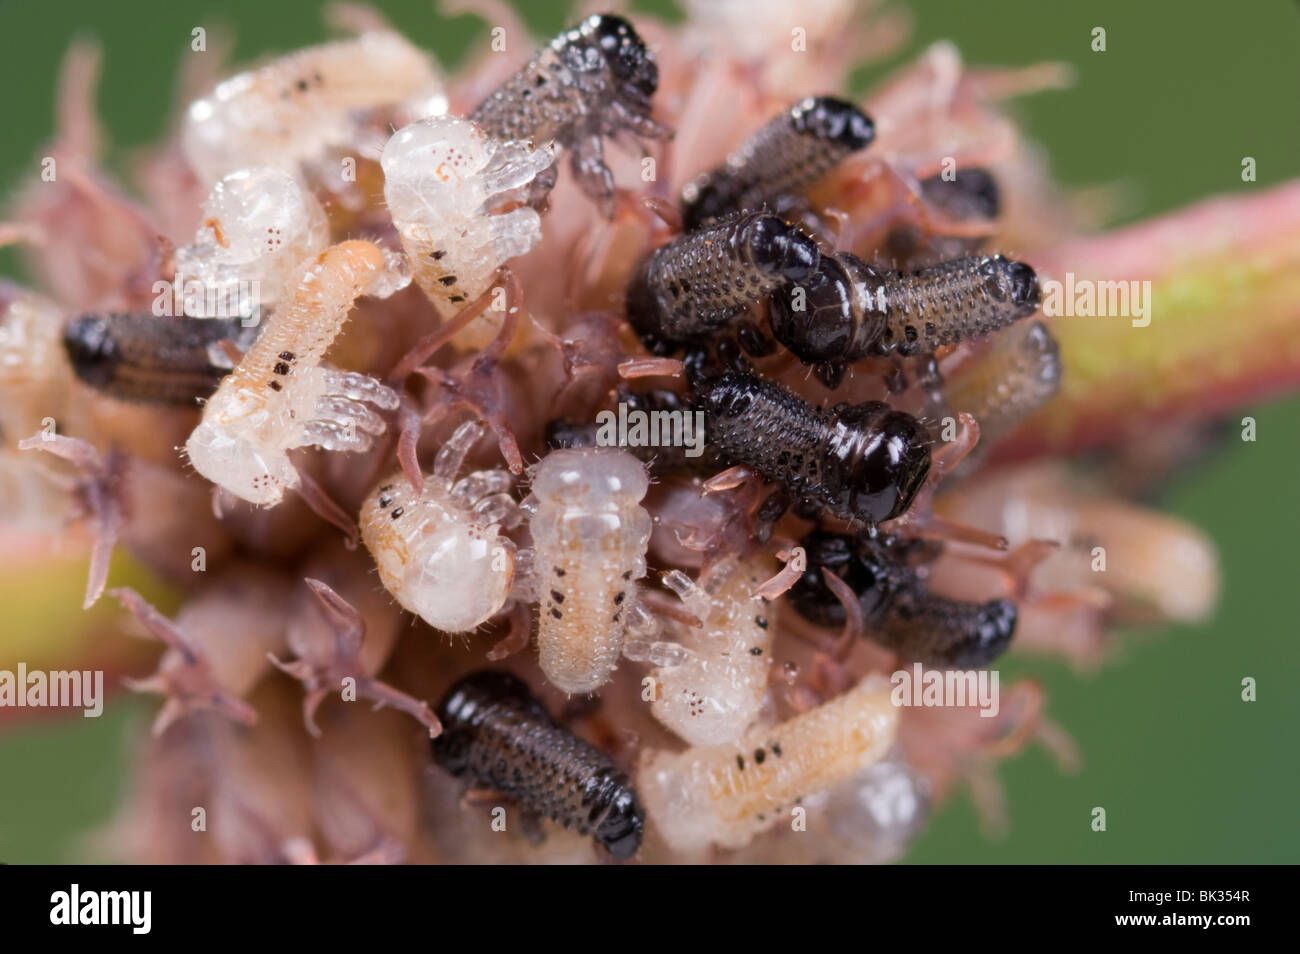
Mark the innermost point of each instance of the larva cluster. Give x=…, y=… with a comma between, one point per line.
x=726, y=794
x=590, y=534
x=280, y=396
x=440, y=550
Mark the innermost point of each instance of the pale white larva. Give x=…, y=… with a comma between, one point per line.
x=590, y=535
x=280, y=397
x=443, y=176
x=440, y=551
x=714, y=683
x=294, y=108
x=258, y=226
x=726, y=794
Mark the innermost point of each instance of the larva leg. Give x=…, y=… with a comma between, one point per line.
x=514, y=232
x=451, y=456
x=587, y=161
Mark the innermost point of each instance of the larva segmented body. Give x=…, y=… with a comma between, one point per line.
x=590, y=535
x=703, y=279
x=862, y=462
x=1020, y=373
x=714, y=690
x=293, y=108
x=441, y=552
x=726, y=794
x=900, y=610
x=151, y=359
x=258, y=225
x=442, y=178
x=496, y=734
x=280, y=397
x=836, y=315
x=789, y=153
x=590, y=82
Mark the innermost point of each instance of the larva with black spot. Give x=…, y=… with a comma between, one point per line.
x=280, y=396
x=498, y=736
x=714, y=687
x=789, y=153
x=440, y=551
x=726, y=794
x=590, y=535
x=150, y=359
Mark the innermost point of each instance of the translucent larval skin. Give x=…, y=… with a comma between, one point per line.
x=590, y=82
x=726, y=794
x=590, y=535
x=788, y=153
x=280, y=397
x=440, y=551
x=33, y=370
x=258, y=225
x=1020, y=373
x=717, y=689
x=442, y=178
x=149, y=359
x=497, y=735
x=292, y=109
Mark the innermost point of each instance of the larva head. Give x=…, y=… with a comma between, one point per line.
x=595, y=477
x=987, y=634
x=779, y=248
x=626, y=56
x=426, y=161
x=885, y=460
x=831, y=315
x=1014, y=282
x=623, y=822
x=869, y=571
x=444, y=564
x=248, y=469
x=834, y=121
x=971, y=194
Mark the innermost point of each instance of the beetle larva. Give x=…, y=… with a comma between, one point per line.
x=849, y=309
x=900, y=611
x=440, y=551
x=496, y=734
x=258, y=225
x=442, y=179
x=590, y=82
x=788, y=154
x=701, y=280
x=151, y=359
x=294, y=108
x=1020, y=373
x=714, y=692
x=726, y=794
x=862, y=462
x=280, y=396
x=590, y=535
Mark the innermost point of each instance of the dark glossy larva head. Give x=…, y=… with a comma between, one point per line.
x=833, y=120
x=1014, y=282
x=620, y=830
x=972, y=193
x=890, y=469
x=831, y=315
x=993, y=626
x=625, y=52
x=91, y=348
x=859, y=566
x=780, y=248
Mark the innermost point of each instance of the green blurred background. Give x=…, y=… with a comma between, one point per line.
x=1186, y=771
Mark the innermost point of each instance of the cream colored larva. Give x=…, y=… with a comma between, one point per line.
x=590, y=535
x=441, y=552
x=293, y=108
x=280, y=397
x=443, y=176
x=726, y=794
x=714, y=689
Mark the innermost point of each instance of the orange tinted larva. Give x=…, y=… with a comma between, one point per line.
x=590, y=535
x=726, y=794
x=280, y=397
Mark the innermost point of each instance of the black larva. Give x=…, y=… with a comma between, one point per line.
x=702, y=280
x=496, y=734
x=897, y=606
x=590, y=82
x=789, y=153
x=151, y=359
